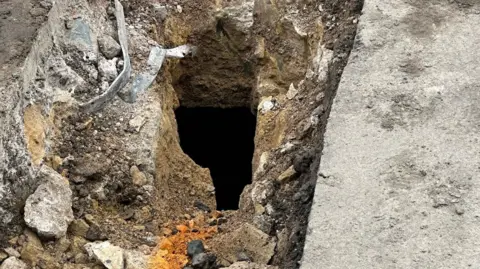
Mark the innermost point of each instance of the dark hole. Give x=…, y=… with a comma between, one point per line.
x=222, y=140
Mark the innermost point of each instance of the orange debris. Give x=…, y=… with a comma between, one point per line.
x=171, y=252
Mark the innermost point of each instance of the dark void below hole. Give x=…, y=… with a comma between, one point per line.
x=223, y=141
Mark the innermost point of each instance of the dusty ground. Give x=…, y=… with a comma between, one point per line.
x=19, y=21
x=398, y=182
x=237, y=64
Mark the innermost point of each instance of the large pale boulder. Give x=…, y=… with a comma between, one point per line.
x=48, y=210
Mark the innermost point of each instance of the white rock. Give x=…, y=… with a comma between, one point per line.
x=292, y=92
x=108, y=69
x=135, y=260
x=137, y=122
x=179, y=9
x=48, y=210
x=109, y=255
x=267, y=104
x=261, y=164
x=13, y=263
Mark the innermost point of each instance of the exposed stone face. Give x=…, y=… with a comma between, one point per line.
x=16, y=180
x=49, y=209
x=109, y=255
x=13, y=263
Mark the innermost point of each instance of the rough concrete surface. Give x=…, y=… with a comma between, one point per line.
x=399, y=178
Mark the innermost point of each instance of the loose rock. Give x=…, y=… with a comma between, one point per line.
x=138, y=177
x=12, y=252
x=13, y=263
x=49, y=209
x=79, y=228
x=31, y=252
x=202, y=206
x=287, y=174
x=108, y=69
x=195, y=247
x=292, y=92
x=203, y=261
x=109, y=47
x=109, y=255
x=94, y=233
x=3, y=256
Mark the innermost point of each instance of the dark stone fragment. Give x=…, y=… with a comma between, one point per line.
x=94, y=233
x=202, y=206
x=195, y=247
x=203, y=261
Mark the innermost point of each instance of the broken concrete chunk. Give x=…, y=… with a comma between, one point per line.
x=109, y=255
x=249, y=265
x=108, y=69
x=13, y=263
x=250, y=240
x=109, y=47
x=135, y=260
x=49, y=209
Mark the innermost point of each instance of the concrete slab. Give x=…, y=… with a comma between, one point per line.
x=399, y=182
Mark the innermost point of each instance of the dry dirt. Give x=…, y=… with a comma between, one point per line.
x=19, y=21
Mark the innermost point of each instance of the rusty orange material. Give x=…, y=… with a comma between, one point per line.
x=171, y=251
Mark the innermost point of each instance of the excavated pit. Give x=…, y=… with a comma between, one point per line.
x=136, y=171
x=223, y=141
